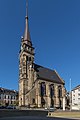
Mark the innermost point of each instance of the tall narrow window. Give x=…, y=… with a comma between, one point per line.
x=43, y=89
x=11, y=96
x=33, y=101
x=27, y=58
x=8, y=96
x=51, y=90
x=59, y=91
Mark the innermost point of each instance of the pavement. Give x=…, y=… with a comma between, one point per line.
x=65, y=114
x=35, y=118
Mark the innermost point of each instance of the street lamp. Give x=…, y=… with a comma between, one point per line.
x=70, y=96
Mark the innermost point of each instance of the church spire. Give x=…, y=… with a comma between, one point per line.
x=26, y=8
x=27, y=38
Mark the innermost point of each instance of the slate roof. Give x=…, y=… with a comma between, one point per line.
x=47, y=74
x=4, y=90
x=77, y=87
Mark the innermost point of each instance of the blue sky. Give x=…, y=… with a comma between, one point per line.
x=55, y=32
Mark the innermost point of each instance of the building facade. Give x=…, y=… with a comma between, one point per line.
x=76, y=98
x=38, y=85
x=8, y=97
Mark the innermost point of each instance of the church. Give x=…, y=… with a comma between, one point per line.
x=39, y=87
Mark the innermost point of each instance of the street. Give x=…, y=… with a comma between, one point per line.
x=34, y=118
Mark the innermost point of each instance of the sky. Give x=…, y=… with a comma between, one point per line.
x=55, y=33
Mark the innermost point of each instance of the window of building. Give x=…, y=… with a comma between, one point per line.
x=79, y=89
x=78, y=94
x=27, y=48
x=11, y=96
x=29, y=58
x=33, y=101
x=59, y=91
x=8, y=96
x=11, y=102
x=74, y=91
x=43, y=89
x=51, y=90
x=4, y=96
x=14, y=97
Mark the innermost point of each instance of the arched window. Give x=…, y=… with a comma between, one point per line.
x=51, y=90
x=29, y=58
x=43, y=89
x=59, y=91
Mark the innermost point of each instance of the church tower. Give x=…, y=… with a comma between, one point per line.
x=38, y=86
x=26, y=60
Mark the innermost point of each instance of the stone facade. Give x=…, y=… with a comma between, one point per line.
x=8, y=97
x=38, y=86
x=75, y=96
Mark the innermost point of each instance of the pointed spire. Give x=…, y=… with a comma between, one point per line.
x=27, y=38
x=26, y=8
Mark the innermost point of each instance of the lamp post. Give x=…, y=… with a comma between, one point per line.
x=64, y=103
x=70, y=96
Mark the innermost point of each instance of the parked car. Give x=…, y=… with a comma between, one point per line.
x=2, y=107
x=10, y=107
x=51, y=109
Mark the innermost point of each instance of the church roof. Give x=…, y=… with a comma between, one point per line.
x=48, y=74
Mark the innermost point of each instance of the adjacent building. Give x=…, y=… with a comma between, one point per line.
x=38, y=86
x=8, y=97
x=76, y=98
